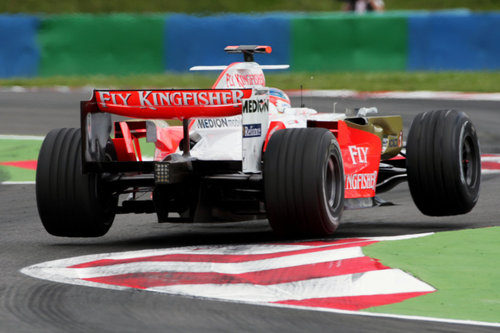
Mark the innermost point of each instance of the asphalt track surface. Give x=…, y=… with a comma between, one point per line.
x=33, y=305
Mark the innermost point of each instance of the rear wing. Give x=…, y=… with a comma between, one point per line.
x=248, y=50
x=248, y=55
x=96, y=124
x=223, y=67
x=169, y=104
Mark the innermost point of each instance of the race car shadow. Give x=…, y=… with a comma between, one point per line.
x=252, y=232
x=374, y=229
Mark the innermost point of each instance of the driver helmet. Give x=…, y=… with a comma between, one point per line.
x=278, y=101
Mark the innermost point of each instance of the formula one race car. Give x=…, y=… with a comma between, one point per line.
x=244, y=153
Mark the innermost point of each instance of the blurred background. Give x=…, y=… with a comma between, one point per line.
x=330, y=44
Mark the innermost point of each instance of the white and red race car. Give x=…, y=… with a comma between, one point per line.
x=243, y=152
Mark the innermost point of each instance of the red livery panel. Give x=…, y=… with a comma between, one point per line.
x=361, y=153
x=170, y=104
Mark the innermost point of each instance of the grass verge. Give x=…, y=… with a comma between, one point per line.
x=18, y=150
x=461, y=265
x=362, y=81
x=12, y=150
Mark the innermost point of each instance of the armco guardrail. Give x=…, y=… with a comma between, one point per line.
x=129, y=43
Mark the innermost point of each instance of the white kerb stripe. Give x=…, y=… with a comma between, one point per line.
x=197, y=250
x=226, y=268
x=388, y=281
x=490, y=159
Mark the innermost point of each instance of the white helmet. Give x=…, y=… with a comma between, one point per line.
x=278, y=101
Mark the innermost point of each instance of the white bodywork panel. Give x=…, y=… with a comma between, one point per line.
x=235, y=138
x=255, y=122
x=241, y=75
x=221, y=138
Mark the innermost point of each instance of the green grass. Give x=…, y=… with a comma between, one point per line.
x=461, y=265
x=10, y=173
x=23, y=150
x=147, y=148
x=362, y=81
x=218, y=6
x=18, y=150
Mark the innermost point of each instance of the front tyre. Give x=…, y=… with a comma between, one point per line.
x=304, y=182
x=443, y=163
x=70, y=203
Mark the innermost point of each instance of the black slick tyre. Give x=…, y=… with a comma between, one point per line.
x=304, y=182
x=70, y=203
x=443, y=163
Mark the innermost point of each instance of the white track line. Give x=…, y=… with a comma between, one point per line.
x=28, y=182
x=21, y=137
x=386, y=315
x=400, y=237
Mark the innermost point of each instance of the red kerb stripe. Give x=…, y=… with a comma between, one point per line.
x=266, y=277
x=31, y=165
x=219, y=258
x=490, y=165
x=354, y=302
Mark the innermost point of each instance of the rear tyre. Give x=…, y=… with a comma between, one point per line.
x=443, y=163
x=304, y=182
x=70, y=203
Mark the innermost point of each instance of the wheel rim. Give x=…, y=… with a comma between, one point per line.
x=332, y=183
x=469, y=161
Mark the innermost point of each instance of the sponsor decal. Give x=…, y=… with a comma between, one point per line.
x=393, y=141
x=361, y=181
x=151, y=99
x=390, y=141
x=252, y=130
x=240, y=80
x=113, y=98
x=255, y=105
x=359, y=155
x=218, y=122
